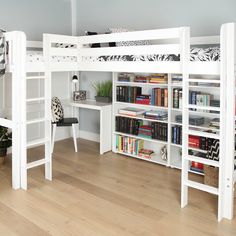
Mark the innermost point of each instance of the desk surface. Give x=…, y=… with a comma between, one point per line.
x=89, y=104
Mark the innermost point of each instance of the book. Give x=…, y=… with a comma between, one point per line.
x=131, y=111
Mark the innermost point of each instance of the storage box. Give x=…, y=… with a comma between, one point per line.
x=211, y=176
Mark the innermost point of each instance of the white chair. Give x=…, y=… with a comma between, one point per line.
x=58, y=120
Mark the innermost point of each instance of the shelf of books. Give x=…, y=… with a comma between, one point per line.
x=147, y=110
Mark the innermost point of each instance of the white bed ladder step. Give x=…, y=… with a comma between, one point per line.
x=36, y=163
x=45, y=137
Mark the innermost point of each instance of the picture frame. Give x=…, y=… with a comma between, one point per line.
x=79, y=95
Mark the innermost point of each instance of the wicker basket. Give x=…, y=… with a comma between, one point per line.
x=211, y=176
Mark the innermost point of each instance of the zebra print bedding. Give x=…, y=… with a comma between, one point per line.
x=196, y=54
x=2, y=54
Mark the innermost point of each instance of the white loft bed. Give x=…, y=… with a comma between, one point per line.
x=108, y=59
x=83, y=58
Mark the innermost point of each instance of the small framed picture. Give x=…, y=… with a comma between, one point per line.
x=79, y=95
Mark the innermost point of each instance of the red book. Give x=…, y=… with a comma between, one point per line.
x=197, y=165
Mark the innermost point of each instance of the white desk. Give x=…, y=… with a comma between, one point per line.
x=105, y=120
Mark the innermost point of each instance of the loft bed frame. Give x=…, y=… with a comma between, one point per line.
x=84, y=58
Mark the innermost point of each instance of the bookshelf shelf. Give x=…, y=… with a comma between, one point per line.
x=142, y=118
x=176, y=145
x=141, y=106
x=141, y=138
x=155, y=158
x=121, y=83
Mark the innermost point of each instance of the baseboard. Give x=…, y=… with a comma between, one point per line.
x=89, y=136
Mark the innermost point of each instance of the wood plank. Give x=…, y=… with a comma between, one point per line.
x=108, y=195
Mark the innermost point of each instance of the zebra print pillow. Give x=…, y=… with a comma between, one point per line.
x=2, y=53
x=57, y=110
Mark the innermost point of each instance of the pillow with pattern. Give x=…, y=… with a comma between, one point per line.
x=94, y=45
x=127, y=43
x=57, y=110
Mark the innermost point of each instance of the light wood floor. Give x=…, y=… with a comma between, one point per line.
x=108, y=195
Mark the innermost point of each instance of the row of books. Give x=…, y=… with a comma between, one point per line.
x=200, y=99
x=156, y=115
x=202, y=143
x=176, y=137
x=128, y=125
x=129, y=145
x=137, y=112
x=155, y=130
x=133, y=146
x=177, y=98
x=159, y=131
x=127, y=93
x=159, y=97
x=154, y=78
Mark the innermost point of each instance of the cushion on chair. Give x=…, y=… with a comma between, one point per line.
x=67, y=122
x=57, y=110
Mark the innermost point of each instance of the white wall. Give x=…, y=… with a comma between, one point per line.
x=203, y=16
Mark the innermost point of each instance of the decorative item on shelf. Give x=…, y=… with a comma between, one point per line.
x=211, y=175
x=164, y=153
x=5, y=142
x=79, y=95
x=104, y=91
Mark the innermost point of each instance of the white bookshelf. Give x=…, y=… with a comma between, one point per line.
x=174, y=159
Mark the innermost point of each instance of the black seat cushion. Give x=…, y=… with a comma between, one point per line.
x=67, y=122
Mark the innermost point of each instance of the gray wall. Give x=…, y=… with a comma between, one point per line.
x=203, y=16
x=36, y=17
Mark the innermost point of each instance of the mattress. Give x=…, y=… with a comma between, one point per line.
x=196, y=54
x=36, y=56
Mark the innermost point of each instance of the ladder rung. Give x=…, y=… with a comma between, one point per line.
x=36, y=163
x=215, y=81
x=35, y=99
x=202, y=160
x=208, y=108
x=203, y=134
x=35, y=121
x=37, y=142
x=202, y=187
x=35, y=77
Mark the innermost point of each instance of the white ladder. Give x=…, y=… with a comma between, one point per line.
x=186, y=157
x=46, y=140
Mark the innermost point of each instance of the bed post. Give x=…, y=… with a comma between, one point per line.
x=18, y=106
x=47, y=106
x=227, y=71
x=185, y=57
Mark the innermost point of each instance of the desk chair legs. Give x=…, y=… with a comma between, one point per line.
x=54, y=127
x=74, y=136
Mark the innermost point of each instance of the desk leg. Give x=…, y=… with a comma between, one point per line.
x=105, y=129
